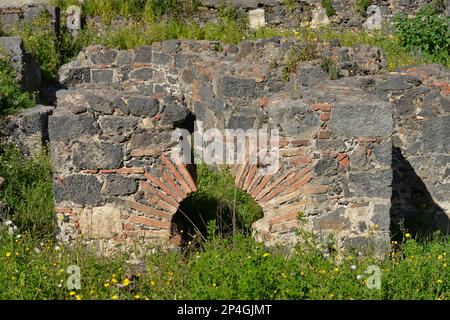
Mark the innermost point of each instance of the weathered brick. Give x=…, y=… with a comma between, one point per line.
x=163, y=187
x=130, y=171
x=286, y=175
x=321, y=106
x=300, y=160
x=170, y=181
x=323, y=134
x=283, y=218
x=250, y=177
x=152, y=152
x=300, y=183
x=150, y=222
x=299, y=142
x=146, y=209
x=89, y=171
x=345, y=162
x=261, y=186
x=291, y=152
x=325, y=116
x=157, y=202
x=187, y=176
x=107, y=171
x=316, y=189
x=158, y=193
x=177, y=174
x=254, y=183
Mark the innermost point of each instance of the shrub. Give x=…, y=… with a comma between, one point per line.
x=12, y=99
x=427, y=32
x=328, y=6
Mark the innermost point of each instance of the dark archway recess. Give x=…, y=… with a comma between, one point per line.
x=217, y=201
x=413, y=208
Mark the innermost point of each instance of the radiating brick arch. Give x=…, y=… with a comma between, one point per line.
x=163, y=194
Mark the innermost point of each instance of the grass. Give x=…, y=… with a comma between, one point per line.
x=28, y=190
x=225, y=268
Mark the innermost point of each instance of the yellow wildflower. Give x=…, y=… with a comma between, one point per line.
x=440, y=257
x=115, y=297
x=72, y=293
x=408, y=235
x=137, y=297
x=439, y=281
x=78, y=297
x=106, y=285
x=8, y=254
x=266, y=255
x=126, y=282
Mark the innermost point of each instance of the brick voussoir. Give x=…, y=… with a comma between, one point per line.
x=249, y=179
x=158, y=194
x=162, y=186
x=157, y=202
x=265, y=180
x=280, y=179
x=176, y=173
x=187, y=176
x=146, y=209
x=170, y=181
x=243, y=175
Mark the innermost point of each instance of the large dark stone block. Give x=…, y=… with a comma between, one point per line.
x=97, y=155
x=67, y=127
x=370, y=119
x=235, y=87
x=371, y=184
x=117, y=185
x=83, y=190
x=142, y=106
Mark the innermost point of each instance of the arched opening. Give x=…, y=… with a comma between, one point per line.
x=218, y=207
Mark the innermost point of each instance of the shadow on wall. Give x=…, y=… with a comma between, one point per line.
x=413, y=208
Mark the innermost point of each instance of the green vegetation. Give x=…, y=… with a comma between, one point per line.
x=328, y=6
x=331, y=67
x=362, y=6
x=295, y=55
x=12, y=99
x=28, y=190
x=427, y=32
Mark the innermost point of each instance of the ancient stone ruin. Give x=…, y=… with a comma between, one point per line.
x=357, y=154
